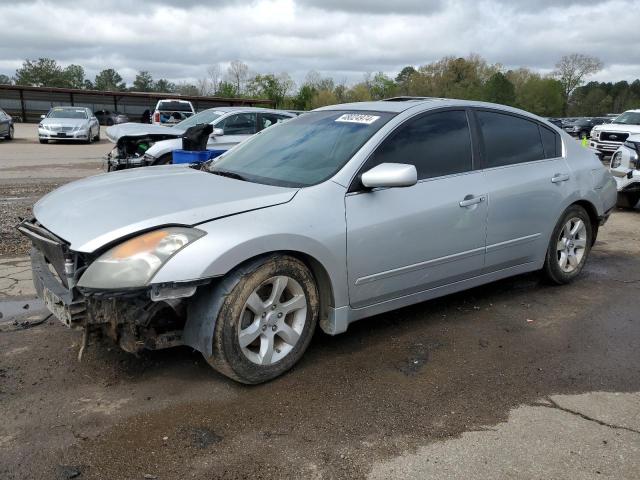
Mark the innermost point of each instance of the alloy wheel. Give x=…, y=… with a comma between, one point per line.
x=572, y=245
x=272, y=320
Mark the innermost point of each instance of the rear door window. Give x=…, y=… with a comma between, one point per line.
x=268, y=119
x=239, y=124
x=437, y=144
x=509, y=139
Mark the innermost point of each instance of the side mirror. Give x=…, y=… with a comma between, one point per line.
x=390, y=175
x=217, y=132
x=42, y=117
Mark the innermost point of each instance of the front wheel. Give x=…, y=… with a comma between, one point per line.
x=44, y=140
x=627, y=200
x=266, y=321
x=11, y=133
x=569, y=246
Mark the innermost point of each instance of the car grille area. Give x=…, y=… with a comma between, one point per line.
x=613, y=137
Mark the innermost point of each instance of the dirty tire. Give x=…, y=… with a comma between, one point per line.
x=228, y=357
x=628, y=200
x=552, y=271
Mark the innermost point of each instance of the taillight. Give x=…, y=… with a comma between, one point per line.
x=156, y=117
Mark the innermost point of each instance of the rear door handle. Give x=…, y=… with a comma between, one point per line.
x=560, y=177
x=469, y=200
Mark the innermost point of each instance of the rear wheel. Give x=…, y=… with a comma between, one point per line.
x=628, y=200
x=569, y=246
x=266, y=321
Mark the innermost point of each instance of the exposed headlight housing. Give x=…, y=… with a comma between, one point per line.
x=134, y=262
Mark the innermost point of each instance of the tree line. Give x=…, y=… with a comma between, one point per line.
x=561, y=93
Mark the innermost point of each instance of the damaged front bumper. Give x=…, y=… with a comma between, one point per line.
x=151, y=317
x=112, y=161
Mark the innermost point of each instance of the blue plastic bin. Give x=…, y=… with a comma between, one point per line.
x=187, y=156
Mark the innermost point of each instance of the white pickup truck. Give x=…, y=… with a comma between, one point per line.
x=169, y=112
x=625, y=168
x=608, y=137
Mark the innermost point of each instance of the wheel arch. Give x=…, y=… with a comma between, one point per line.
x=593, y=216
x=203, y=307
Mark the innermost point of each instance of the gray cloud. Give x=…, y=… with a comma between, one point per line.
x=344, y=39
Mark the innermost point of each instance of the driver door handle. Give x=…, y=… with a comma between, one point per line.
x=560, y=177
x=469, y=200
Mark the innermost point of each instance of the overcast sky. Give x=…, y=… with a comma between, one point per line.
x=179, y=39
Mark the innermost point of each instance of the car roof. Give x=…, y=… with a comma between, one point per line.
x=249, y=109
x=401, y=104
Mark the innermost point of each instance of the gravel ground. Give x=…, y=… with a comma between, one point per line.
x=16, y=201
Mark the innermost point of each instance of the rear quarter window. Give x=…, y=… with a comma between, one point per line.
x=550, y=142
x=509, y=140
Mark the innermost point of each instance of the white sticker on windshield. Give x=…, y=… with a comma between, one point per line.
x=357, y=118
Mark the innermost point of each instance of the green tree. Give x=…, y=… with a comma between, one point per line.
x=499, y=89
x=187, y=89
x=73, y=76
x=4, y=79
x=44, y=72
x=227, y=90
x=143, y=82
x=403, y=79
x=109, y=80
x=271, y=86
x=165, y=86
x=381, y=87
x=572, y=70
x=542, y=96
x=304, y=97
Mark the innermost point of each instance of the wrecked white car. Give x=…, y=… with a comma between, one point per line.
x=140, y=145
x=625, y=168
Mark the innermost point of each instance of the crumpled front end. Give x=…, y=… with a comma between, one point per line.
x=151, y=317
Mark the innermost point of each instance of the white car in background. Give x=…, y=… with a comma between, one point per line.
x=625, y=168
x=69, y=123
x=139, y=145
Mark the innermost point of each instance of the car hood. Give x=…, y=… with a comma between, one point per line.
x=64, y=122
x=96, y=211
x=617, y=127
x=131, y=129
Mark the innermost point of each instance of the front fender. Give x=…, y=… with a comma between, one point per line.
x=308, y=225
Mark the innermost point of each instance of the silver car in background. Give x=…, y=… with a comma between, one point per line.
x=339, y=214
x=69, y=123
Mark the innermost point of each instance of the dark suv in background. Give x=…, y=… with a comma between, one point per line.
x=581, y=127
x=106, y=117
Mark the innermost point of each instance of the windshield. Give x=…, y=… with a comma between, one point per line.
x=303, y=151
x=628, y=118
x=207, y=116
x=174, y=106
x=67, y=113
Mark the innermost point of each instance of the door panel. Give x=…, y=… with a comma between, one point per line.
x=526, y=178
x=404, y=240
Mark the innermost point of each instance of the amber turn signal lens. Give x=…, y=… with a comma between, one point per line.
x=143, y=243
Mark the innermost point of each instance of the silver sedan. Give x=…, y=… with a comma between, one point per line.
x=337, y=215
x=69, y=123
